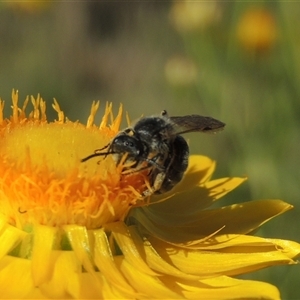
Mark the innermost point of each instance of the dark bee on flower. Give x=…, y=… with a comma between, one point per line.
x=155, y=143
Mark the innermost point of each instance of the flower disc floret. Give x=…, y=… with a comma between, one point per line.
x=42, y=179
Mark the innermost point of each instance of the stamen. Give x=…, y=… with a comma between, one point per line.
x=15, y=107
x=117, y=121
x=104, y=120
x=60, y=113
x=91, y=118
x=1, y=111
x=22, y=113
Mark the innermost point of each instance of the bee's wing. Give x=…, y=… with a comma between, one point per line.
x=192, y=123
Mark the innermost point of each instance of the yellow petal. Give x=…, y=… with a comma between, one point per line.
x=238, y=219
x=9, y=237
x=104, y=260
x=289, y=248
x=15, y=277
x=216, y=263
x=153, y=259
x=36, y=294
x=65, y=276
x=129, y=250
x=191, y=201
x=228, y=288
x=200, y=170
x=220, y=187
x=147, y=284
x=41, y=252
x=79, y=239
x=244, y=243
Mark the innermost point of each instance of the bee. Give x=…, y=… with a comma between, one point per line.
x=155, y=143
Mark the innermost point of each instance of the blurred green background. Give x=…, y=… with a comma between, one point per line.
x=236, y=61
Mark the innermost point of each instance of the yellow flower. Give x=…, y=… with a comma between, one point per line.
x=30, y=7
x=181, y=71
x=188, y=16
x=82, y=230
x=257, y=30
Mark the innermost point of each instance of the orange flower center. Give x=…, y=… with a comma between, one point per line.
x=43, y=180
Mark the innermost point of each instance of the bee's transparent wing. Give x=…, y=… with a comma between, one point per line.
x=194, y=123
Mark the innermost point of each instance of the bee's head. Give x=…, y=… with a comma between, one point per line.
x=124, y=143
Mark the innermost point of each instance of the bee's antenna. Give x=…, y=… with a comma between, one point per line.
x=93, y=155
x=98, y=153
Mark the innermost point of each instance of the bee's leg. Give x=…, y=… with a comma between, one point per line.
x=151, y=164
x=158, y=181
x=135, y=170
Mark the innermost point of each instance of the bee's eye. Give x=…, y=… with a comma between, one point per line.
x=130, y=144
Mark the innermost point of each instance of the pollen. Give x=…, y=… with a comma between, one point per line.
x=42, y=178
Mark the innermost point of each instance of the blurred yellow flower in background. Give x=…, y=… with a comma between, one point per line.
x=30, y=7
x=257, y=30
x=82, y=230
x=181, y=71
x=190, y=15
